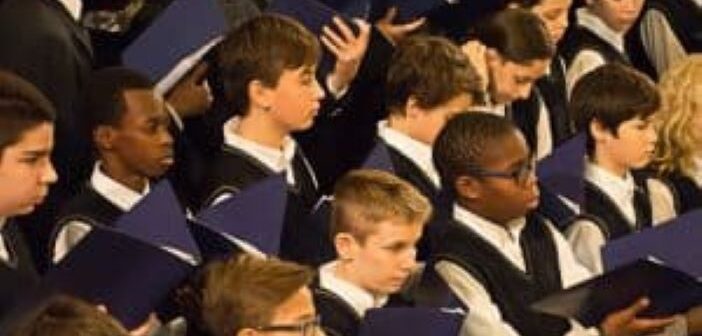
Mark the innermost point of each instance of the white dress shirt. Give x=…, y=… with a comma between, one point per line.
x=116, y=193
x=587, y=60
x=416, y=151
x=587, y=239
x=74, y=7
x=358, y=298
x=697, y=174
x=484, y=317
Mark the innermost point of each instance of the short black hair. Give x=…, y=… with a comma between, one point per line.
x=104, y=102
x=22, y=107
x=612, y=94
x=517, y=34
x=463, y=142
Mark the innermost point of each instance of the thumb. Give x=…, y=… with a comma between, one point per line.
x=389, y=15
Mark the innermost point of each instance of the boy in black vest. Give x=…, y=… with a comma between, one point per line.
x=129, y=126
x=597, y=37
x=377, y=219
x=614, y=105
x=497, y=255
x=26, y=172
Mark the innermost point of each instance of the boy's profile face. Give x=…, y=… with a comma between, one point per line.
x=511, y=81
x=141, y=140
x=619, y=15
x=429, y=122
x=633, y=145
x=554, y=14
x=295, y=100
x=26, y=171
x=510, y=196
x=382, y=263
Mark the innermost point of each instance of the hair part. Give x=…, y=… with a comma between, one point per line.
x=22, y=107
x=517, y=34
x=243, y=291
x=261, y=49
x=681, y=101
x=611, y=95
x=432, y=70
x=461, y=146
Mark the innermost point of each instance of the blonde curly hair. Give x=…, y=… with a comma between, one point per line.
x=679, y=141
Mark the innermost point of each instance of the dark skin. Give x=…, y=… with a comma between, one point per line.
x=502, y=200
x=139, y=147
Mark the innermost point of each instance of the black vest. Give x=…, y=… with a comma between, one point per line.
x=552, y=88
x=604, y=212
x=19, y=273
x=685, y=19
x=304, y=239
x=511, y=289
x=525, y=115
x=688, y=195
x=579, y=38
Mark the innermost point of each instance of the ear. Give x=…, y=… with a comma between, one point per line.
x=492, y=58
x=346, y=246
x=412, y=109
x=599, y=132
x=104, y=137
x=468, y=188
x=259, y=95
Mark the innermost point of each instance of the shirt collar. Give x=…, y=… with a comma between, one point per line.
x=416, y=151
x=115, y=192
x=358, y=298
x=74, y=7
x=493, y=233
x=699, y=3
x=620, y=189
x=593, y=23
x=275, y=159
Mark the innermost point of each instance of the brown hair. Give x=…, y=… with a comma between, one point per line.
x=243, y=291
x=432, y=70
x=22, y=107
x=366, y=197
x=65, y=316
x=260, y=49
x=612, y=94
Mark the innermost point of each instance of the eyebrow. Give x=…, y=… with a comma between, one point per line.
x=35, y=152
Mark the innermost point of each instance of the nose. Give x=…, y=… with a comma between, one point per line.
x=165, y=136
x=318, y=91
x=652, y=134
x=49, y=175
x=409, y=261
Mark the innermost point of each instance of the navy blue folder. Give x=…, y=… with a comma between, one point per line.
x=411, y=321
x=670, y=291
x=183, y=28
x=133, y=267
x=255, y=216
x=676, y=243
x=407, y=10
x=310, y=13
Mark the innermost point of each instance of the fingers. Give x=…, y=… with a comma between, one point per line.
x=198, y=72
x=411, y=26
x=344, y=29
x=389, y=15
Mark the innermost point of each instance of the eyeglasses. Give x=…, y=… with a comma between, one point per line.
x=520, y=175
x=305, y=328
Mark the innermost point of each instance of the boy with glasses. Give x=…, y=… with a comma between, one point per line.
x=497, y=255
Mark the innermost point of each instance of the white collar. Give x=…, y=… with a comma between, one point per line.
x=593, y=23
x=74, y=7
x=358, y=298
x=416, y=151
x=699, y=3
x=621, y=190
x=275, y=159
x=115, y=192
x=493, y=233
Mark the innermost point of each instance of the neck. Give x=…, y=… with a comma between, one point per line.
x=400, y=124
x=484, y=213
x=344, y=270
x=259, y=128
x=607, y=163
x=118, y=172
